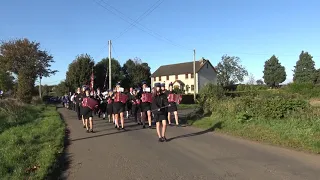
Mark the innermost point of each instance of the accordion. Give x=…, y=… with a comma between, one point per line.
x=120, y=97
x=146, y=97
x=174, y=98
x=109, y=101
x=89, y=102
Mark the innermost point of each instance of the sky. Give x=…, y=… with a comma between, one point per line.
x=250, y=29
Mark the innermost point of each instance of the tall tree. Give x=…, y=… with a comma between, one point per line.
x=79, y=72
x=6, y=81
x=274, y=73
x=260, y=82
x=23, y=58
x=230, y=70
x=60, y=89
x=305, y=70
x=102, y=73
x=136, y=71
x=318, y=76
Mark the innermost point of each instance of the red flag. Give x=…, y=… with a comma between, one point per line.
x=92, y=81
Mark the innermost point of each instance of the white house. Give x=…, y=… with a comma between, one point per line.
x=182, y=77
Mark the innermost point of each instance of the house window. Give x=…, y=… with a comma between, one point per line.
x=187, y=76
x=192, y=87
x=192, y=75
x=176, y=76
x=167, y=78
x=159, y=78
x=154, y=78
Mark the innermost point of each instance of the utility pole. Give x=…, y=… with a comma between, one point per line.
x=194, y=75
x=110, y=78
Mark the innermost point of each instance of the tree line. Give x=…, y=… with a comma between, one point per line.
x=21, y=62
x=130, y=74
x=230, y=71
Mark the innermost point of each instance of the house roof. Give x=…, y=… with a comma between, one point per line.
x=180, y=68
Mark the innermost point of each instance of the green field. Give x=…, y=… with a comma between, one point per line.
x=32, y=138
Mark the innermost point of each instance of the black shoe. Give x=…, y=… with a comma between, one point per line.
x=115, y=126
x=164, y=139
x=160, y=139
x=103, y=118
x=118, y=128
x=87, y=130
x=150, y=127
x=91, y=130
x=123, y=128
x=84, y=126
x=143, y=126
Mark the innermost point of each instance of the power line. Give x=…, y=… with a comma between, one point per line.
x=142, y=16
x=152, y=33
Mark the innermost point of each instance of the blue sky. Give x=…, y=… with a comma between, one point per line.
x=250, y=29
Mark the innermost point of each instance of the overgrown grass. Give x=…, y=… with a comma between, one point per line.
x=275, y=117
x=31, y=141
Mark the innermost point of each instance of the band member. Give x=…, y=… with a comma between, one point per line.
x=129, y=102
x=87, y=109
x=83, y=95
x=102, y=108
x=163, y=88
x=78, y=99
x=173, y=107
x=159, y=103
x=119, y=106
x=109, y=99
x=135, y=101
x=146, y=99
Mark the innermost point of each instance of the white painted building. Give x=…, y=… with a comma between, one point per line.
x=181, y=75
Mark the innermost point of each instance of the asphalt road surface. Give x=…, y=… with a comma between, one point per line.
x=190, y=154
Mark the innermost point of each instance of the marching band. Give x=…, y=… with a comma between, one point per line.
x=143, y=104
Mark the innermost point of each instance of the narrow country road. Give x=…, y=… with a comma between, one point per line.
x=191, y=154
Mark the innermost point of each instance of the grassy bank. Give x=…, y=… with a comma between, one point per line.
x=31, y=139
x=274, y=117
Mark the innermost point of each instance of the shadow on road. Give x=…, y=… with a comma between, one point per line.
x=107, y=134
x=64, y=160
x=216, y=126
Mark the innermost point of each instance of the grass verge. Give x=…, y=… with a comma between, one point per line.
x=29, y=150
x=290, y=133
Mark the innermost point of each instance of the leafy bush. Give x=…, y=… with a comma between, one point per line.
x=243, y=87
x=209, y=95
x=308, y=90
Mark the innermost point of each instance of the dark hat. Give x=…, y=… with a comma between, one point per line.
x=163, y=84
x=144, y=82
x=171, y=84
x=110, y=90
x=157, y=84
x=118, y=83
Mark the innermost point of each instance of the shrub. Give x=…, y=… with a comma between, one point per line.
x=308, y=90
x=243, y=87
x=209, y=96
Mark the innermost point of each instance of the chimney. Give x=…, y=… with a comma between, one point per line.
x=202, y=61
